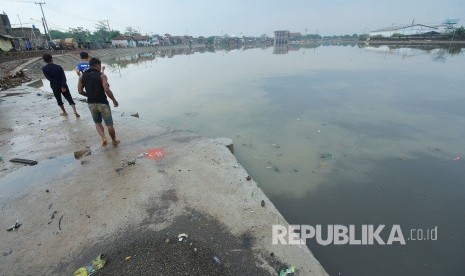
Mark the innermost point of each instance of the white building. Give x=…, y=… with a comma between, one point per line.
x=416, y=29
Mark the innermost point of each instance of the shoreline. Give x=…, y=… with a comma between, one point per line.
x=197, y=188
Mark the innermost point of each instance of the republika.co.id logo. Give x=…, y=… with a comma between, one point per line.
x=350, y=235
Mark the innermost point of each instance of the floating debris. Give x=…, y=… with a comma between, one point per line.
x=262, y=203
x=135, y=115
x=457, y=158
x=276, y=146
x=248, y=178
x=326, y=156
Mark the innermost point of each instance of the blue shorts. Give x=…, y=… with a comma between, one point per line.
x=100, y=111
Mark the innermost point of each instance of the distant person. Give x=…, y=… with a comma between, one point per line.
x=94, y=85
x=83, y=65
x=56, y=75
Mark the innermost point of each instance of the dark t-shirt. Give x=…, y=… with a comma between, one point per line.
x=92, y=81
x=55, y=74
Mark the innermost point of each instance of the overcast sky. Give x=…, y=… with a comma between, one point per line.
x=235, y=17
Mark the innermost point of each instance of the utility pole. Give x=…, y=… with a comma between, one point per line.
x=45, y=21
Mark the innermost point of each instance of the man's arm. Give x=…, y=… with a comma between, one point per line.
x=81, y=87
x=106, y=87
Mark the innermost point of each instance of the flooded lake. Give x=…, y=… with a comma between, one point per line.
x=333, y=135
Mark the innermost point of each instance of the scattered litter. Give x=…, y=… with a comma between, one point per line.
x=24, y=161
x=234, y=166
x=287, y=271
x=167, y=240
x=84, y=162
x=216, y=260
x=82, y=100
x=7, y=253
x=53, y=214
x=195, y=249
x=122, y=114
x=403, y=158
x=182, y=237
x=14, y=227
x=81, y=153
x=127, y=258
x=1, y=158
x=38, y=94
x=142, y=155
x=272, y=254
x=262, y=203
x=59, y=222
x=295, y=170
x=457, y=158
x=47, y=190
x=135, y=115
x=319, y=131
x=156, y=154
x=276, y=146
x=248, y=178
x=125, y=164
x=298, y=119
x=92, y=267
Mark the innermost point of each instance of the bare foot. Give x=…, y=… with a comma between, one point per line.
x=104, y=142
x=115, y=143
x=64, y=114
x=77, y=114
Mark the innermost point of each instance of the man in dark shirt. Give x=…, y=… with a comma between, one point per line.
x=97, y=89
x=55, y=74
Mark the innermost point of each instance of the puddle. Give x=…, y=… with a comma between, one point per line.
x=46, y=171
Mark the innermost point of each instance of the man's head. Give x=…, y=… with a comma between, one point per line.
x=47, y=58
x=84, y=55
x=95, y=63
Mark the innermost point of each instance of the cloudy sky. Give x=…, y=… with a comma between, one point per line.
x=235, y=17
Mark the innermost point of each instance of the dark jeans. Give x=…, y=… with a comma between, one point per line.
x=57, y=92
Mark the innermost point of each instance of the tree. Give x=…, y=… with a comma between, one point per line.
x=80, y=34
x=131, y=31
x=60, y=35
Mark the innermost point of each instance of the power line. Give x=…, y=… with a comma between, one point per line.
x=45, y=21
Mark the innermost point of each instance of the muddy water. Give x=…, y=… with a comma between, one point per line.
x=333, y=135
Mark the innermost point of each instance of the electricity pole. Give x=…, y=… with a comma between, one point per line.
x=46, y=26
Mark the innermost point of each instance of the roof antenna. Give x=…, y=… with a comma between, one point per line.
x=413, y=21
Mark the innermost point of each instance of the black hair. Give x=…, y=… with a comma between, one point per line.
x=94, y=61
x=47, y=58
x=84, y=55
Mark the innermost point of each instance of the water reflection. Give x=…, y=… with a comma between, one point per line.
x=389, y=125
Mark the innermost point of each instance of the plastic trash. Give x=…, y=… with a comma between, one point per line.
x=182, y=236
x=24, y=161
x=14, y=227
x=92, y=267
x=1, y=158
x=135, y=115
x=216, y=260
x=288, y=271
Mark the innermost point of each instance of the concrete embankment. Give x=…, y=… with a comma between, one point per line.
x=130, y=208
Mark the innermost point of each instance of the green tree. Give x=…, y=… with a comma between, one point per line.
x=80, y=34
x=59, y=34
x=131, y=31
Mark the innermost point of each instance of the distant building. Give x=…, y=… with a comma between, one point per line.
x=413, y=29
x=123, y=41
x=32, y=35
x=6, y=42
x=142, y=40
x=5, y=26
x=281, y=38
